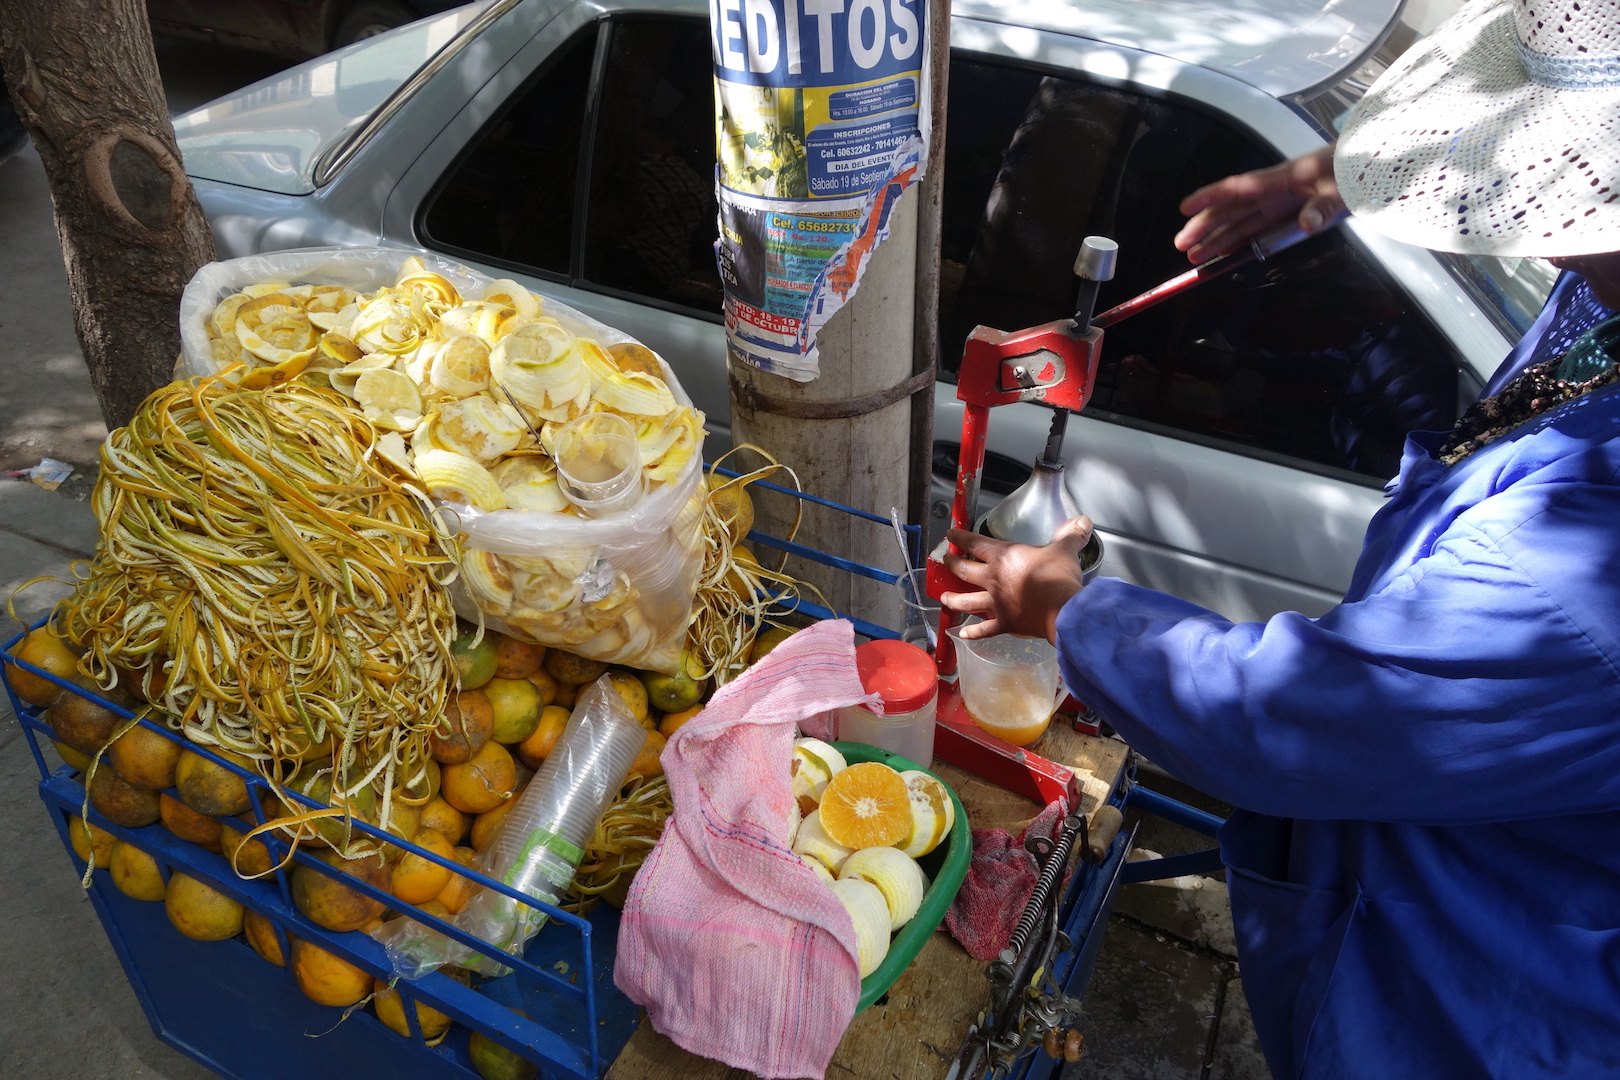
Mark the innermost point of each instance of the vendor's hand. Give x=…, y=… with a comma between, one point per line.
x=1024, y=587
x=1229, y=213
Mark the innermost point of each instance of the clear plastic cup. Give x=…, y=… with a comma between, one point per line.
x=598, y=464
x=921, y=610
x=1008, y=683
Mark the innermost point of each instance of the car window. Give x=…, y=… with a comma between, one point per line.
x=1512, y=291
x=1313, y=356
x=1509, y=291
x=650, y=225
x=510, y=197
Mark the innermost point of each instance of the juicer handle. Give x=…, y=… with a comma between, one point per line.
x=1093, y=266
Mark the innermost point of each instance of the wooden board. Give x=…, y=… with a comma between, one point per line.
x=914, y=1033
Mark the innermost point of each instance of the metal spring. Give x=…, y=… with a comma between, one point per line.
x=1050, y=870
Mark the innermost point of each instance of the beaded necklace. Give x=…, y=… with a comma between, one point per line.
x=1591, y=363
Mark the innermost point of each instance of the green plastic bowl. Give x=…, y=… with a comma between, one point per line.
x=946, y=867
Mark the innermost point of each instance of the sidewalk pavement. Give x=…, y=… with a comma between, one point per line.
x=70, y=1014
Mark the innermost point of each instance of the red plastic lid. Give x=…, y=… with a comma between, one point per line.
x=902, y=674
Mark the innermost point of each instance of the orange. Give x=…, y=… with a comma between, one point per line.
x=633, y=693
x=515, y=705
x=261, y=934
x=200, y=911
x=729, y=498
x=475, y=664
x=482, y=783
x=416, y=880
x=495, y=1062
x=487, y=824
x=391, y=1011
x=186, y=823
x=546, y=685
x=121, y=802
x=421, y=787
x=136, y=873
x=464, y=730
x=42, y=648
x=445, y=819
x=682, y=690
x=538, y=746
x=78, y=759
x=327, y=979
x=404, y=822
x=740, y=586
x=672, y=721
x=866, y=805
x=146, y=683
x=767, y=641
x=647, y=763
x=145, y=758
x=247, y=857
x=515, y=659
x=327, y=902
x=211, y=788
x=78, y=722
x=430, y=907
x=572, y=670
x=461, y=888
x=567, y=695
x=100, y=840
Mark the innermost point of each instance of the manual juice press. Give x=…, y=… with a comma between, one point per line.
x=1054, y=363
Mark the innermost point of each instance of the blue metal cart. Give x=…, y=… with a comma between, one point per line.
x=559, y=1008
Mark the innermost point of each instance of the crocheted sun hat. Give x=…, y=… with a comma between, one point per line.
x=1498, y=134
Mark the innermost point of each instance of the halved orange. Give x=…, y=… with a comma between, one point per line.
x=866, y=805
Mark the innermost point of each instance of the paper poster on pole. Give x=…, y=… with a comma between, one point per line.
x=822, y=116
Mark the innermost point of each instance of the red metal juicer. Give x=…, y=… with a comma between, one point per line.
x=1054, y=363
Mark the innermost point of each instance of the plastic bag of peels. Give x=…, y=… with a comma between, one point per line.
x=474, y=381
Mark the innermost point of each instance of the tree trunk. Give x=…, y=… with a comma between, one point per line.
x=84, y=78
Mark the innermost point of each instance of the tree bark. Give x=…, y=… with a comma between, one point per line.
x=84, y=78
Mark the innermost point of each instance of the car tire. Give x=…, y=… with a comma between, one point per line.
x=369, y=18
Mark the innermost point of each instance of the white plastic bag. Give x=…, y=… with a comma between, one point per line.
x=616, y=589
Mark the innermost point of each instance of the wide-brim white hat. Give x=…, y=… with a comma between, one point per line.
x=1499, y=134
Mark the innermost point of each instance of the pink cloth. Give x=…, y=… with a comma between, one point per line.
x=998, y=885
x=727, y=939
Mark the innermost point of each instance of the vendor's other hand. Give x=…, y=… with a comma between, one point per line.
x=1229, y=213
x=1024, y=587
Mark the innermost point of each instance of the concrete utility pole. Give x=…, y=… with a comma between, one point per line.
x=862, y=433
x=838, y=434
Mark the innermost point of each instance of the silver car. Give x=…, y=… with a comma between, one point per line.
x=1239, y=437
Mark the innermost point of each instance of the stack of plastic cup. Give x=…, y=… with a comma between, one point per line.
x=541, y=842
x=544, y=837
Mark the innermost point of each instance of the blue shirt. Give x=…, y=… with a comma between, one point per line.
x=1425, y=879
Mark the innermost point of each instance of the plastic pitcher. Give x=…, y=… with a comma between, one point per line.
x=1008, y=683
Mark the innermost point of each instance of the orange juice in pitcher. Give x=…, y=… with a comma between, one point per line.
x=1009, y=684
